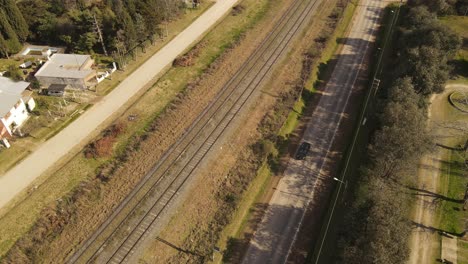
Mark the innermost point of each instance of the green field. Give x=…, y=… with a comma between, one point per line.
x=451, y=209
x=462, y=252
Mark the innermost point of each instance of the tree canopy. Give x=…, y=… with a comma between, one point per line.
x=425, y=46
x=123, y=23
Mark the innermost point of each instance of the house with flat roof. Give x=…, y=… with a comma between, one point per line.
x=73, y=70
x=15, y=102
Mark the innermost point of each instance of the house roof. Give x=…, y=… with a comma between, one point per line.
x=66, y=66
x=10, y=93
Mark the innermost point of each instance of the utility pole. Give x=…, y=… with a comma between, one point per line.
x=167, y=17
x=99, y=32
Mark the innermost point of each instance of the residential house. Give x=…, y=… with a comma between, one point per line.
x=68, y=69
x=15, y=102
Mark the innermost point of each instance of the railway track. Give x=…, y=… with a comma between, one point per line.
x=116, y=239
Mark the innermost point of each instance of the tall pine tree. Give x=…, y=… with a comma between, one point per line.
x=3, y=46
x=15, y=19
x=7, y=30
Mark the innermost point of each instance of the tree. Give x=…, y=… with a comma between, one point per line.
x=435, y=6
x=3, y=46
x=15, y=19
x=426, y=46
x=10, y=36
x=14, y=73
x=70, y=22
x=403, y=136
x=86, y=42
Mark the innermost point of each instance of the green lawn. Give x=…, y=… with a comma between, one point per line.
x=462, y=252
x=460, y=25
x=452, y=213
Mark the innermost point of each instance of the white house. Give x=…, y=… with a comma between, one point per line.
x=73, y=70
x=15, y=103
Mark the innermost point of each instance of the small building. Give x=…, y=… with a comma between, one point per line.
x=26, y=64
x=68, y=69
x=38, y=52
x=15, y=102
x=57, y=89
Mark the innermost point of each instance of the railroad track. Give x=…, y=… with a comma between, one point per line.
x=117, y=237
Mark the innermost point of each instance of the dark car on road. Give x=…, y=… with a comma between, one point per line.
x=302, y=151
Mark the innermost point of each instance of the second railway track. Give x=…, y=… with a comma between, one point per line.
x=116, y=239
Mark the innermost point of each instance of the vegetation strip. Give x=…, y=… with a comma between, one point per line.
x=398, y=143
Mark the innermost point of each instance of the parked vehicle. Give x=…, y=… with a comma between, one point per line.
x=302, y=151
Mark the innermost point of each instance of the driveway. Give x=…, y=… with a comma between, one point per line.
x=24, y=173
x=279, y=227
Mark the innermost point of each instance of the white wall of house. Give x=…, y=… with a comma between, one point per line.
x=15, y=118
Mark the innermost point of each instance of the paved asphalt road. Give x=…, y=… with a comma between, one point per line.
x=278, y=229
x=20, y=176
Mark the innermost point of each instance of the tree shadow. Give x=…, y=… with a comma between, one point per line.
x=438, y=230
x=179, y=248
x=434, y=168
x=237, y=247
x=460, y=66
x=422, y=192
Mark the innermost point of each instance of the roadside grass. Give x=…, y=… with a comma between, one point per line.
x=54, y=185
x=451, y=212
x=235, y=229
x=460, y=64
x=318, y=73
x=293, y=118
x=318, y=68
x=51, y=126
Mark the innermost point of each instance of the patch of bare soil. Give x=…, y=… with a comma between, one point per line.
x=192, y=234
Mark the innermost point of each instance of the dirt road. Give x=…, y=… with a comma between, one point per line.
x=424, y=242
x=277, y=232
x=69, y=139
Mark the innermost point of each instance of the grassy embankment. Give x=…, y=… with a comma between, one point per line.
x=317, y=74
x=53, y=186
x=42, y=126
x=258, y=187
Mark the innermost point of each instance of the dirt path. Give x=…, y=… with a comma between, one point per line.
x=450, y=249
x=425, y=243
x=73, y=136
